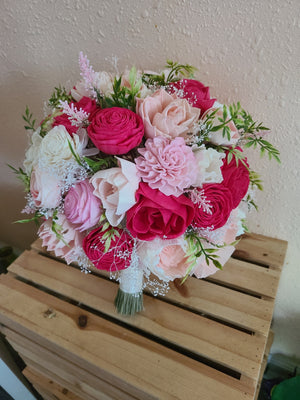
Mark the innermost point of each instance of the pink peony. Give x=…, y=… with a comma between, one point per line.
x=169, y=166
x=44, y=188
x=82, y=208
x=195, y=92
x=166, y=115
x=69, y=247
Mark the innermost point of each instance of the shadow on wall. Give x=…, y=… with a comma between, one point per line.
x=19, y=236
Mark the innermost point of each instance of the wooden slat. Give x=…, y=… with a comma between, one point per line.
x=48, y=385
x=248, y=277
x=63, y=372
x=262, y=250
x=241, y=351
x=123, y=357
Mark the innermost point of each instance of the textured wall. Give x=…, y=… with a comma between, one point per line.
x=245, y=50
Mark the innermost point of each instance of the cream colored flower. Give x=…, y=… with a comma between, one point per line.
x=209, y=163
x=55, y=149
x=116, y=188
x=102, y=81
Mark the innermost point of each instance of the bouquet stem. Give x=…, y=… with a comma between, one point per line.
x=129, y=299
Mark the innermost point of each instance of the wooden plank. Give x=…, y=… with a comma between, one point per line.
x=123, y=357
x=48, y=385
x=262, y=250
x=240, y=352
x=249, y=277
x=63, y=372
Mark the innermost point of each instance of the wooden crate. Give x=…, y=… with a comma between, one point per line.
x=204, y=341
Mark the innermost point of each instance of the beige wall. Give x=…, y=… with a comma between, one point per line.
x=245, y=50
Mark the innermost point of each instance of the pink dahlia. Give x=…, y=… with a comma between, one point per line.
x=167, y=165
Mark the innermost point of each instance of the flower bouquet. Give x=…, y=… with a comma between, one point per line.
x=143, y=175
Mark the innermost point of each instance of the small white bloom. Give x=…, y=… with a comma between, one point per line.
x=209, y=163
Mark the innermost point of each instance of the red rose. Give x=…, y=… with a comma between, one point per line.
x=116, y=258
x=195, y=92
x=86, y=104
x=219, y=200
x=156, y=214
x=116, y=130
x=236, y=178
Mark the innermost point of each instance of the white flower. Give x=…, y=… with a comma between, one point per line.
x=102, y=81
x=116, y=188
x=54, y=148
x=32, y=153
x=209, y=163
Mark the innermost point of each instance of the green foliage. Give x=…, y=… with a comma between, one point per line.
x=250, y=203
x=196, y=250
x=101, y=163
x=75, y=155
x=177, y=72
x=59, y=94
x=57, y=229
x=265, y=147
x=123, y=96
x=35, y=218
x=24, y=178
x=255, y=180
x=110, y=234
x=28, y=118
x=236, y=153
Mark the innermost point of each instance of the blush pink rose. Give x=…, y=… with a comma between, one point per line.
x=195, y=92
x=81, y=207
x=166, y=259
x=167, y=115
x=157, y=215
x=236, y=178
x=45, y=189
x=117, y=257
x=86, y=104
x=169, y=166
x=70, y=247
x=219, y=199
x=115, y=130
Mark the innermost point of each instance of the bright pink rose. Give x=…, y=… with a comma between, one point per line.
x=86, y=104
x=169, y=166
x=116, y=130
x=70, y=247
x=219, y=200
x=156, y=214
x=81, y=207
x=166, y=115
x=195, y=92
x=116, y=258
x=236, y=179
x=45, y=189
